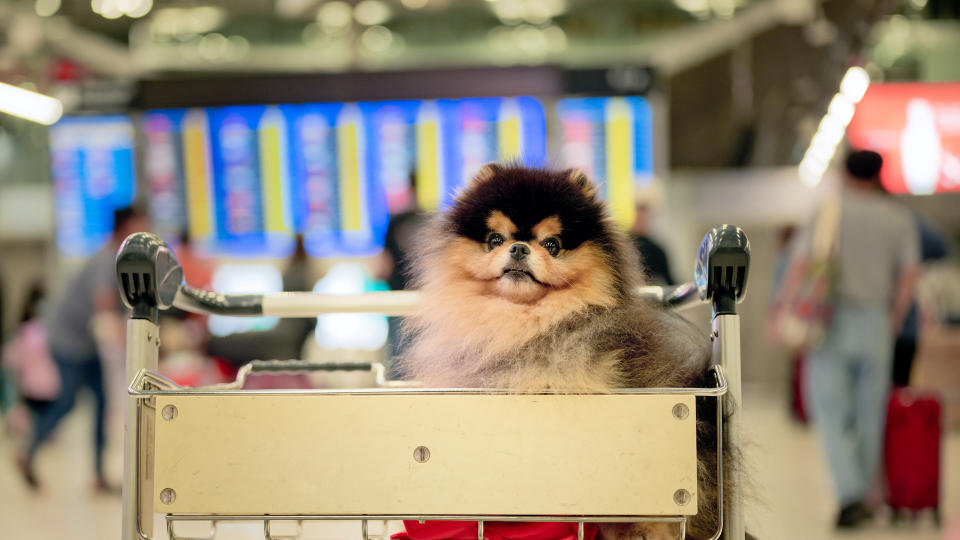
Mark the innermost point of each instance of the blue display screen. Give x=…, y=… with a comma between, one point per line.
x=92, y=164
x=611, y=140
x=313, y=165
x=244, y=181
x=164, y=170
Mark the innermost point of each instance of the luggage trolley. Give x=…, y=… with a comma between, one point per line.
x=221, y=453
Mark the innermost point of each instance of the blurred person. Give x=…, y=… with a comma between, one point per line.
x=933, y=246
x=197, y=269
x=27, y=358
x=848, y=374
x=283, y=341
x=798, y=406
x=6, y=385
x=296, y=276
x=653, y=257
x=73, y=345
x=402, y=236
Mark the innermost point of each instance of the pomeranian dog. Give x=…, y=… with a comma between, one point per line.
x=527, y=284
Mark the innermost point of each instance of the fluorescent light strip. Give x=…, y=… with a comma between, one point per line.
x=833, y=127
x=29, y=105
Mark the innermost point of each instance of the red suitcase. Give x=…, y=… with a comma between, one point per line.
x=912, y=451
x=798, y=402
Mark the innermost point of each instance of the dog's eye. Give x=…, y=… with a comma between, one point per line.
x=552, y=245
x=494, y=240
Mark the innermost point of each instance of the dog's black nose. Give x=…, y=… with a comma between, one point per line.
x=519, y=251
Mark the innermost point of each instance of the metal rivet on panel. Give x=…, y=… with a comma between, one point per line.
x=167, y=496
x=680, y=411
x=169, y=412
x=421, y=454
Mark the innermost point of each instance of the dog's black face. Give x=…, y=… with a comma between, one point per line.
x=527, y=232
x=527, y=197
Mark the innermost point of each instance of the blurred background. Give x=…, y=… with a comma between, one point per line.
x=295, y=145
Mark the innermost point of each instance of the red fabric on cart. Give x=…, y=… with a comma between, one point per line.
x=493, y=530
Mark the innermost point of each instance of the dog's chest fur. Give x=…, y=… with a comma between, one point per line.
x=594, y=350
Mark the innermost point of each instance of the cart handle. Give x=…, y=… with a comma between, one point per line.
x=150, y=279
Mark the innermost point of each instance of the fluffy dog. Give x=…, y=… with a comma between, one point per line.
x=527, y=284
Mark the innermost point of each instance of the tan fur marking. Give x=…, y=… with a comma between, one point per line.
x=550, y=226
x=498, y=221
x=579, y=179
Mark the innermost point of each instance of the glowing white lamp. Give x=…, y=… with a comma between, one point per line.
x=244, y=279
x=854, y=83
x=29, y=105
x=351, y=331
x=921, y=151
x=842, y=109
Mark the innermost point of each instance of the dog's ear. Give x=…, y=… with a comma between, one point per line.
x=581, y=182
x=485, y=173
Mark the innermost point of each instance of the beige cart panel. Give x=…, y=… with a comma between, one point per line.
x=354, y=454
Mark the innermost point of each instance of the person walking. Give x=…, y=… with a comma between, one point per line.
x=875, y=261
x=74, y=348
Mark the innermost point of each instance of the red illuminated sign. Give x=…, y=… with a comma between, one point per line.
x=916, y=128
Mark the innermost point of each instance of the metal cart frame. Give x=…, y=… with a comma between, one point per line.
x=189, y=456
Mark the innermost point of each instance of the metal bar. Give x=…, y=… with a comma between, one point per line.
x=480, y=529
x=364, y=532
x=674, y=297
x=717, y=534
x=173, y=535
x=143, y=343
x=268, y=535
x=276, y=366
x=296, y=304
x=421, y=517
x=144, y=386
x=726, y=352
x=580, y=529
x=391, y=303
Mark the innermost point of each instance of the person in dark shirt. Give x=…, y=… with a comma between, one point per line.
x=933, y=246
x=74, y=347
x=402, y=235
x=654, y=260
x=283, y=341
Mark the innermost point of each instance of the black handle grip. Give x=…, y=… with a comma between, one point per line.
x=222, y=304
x=259, y=366
x=723, y=263
x=148, y=275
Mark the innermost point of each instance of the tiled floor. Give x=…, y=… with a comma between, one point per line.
x=791, y=493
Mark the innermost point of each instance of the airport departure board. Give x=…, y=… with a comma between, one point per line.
x=92, y=164
x=611, y=140
x=244, y=181
x=163, y=155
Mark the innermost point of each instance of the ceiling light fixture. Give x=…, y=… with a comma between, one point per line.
x=29, y=105
x=833, y=127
